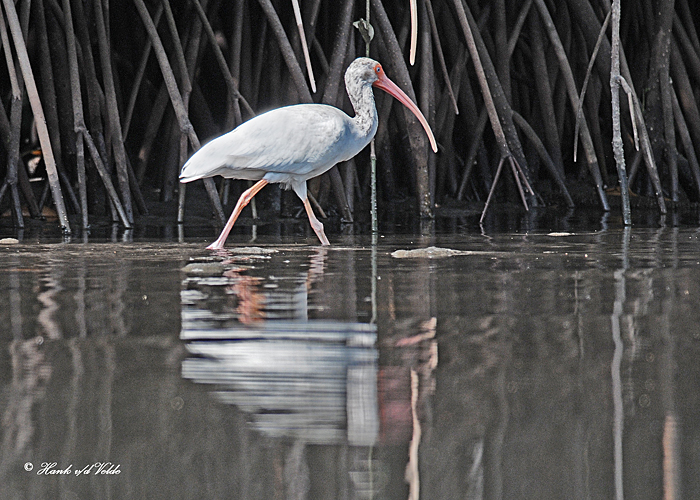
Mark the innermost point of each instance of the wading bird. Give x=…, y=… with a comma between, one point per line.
x=293, y=144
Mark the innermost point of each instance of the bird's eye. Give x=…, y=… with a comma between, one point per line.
x=378, y=69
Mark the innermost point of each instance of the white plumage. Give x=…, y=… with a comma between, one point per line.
x=293, y=144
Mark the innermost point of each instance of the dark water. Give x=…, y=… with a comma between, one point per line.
x=530, y=366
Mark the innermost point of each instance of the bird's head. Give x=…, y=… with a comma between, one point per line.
x=365, y=71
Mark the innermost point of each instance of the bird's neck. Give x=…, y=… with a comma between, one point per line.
x=365, y=111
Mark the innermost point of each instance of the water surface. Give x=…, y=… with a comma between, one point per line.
x=528, y=365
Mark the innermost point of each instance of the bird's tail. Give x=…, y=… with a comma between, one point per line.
x=186, y=174
x=204, y=163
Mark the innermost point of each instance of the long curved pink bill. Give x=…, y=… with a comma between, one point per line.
x=391, y=88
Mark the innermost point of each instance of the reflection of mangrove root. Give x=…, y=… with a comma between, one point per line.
x=420, y=352
x=412, y=475
x=30, y=375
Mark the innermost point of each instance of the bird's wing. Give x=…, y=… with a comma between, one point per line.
x=289, y=140
x=294, y=141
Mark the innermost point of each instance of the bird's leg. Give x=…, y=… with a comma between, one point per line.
x=316, y=224
x=242, y=202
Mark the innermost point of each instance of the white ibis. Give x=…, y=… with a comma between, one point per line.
x=293, y=144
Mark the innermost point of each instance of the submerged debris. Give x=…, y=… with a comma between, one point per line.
x=429, y=253
x=212, y=265
x=204, y=269
x=251, y=250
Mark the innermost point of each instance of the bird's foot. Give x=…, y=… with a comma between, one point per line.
x=322, y=236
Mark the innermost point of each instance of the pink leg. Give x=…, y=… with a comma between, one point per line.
x=242, y=202
x=316, y=225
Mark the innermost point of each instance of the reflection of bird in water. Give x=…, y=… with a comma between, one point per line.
x=312, y=380
x=293, y=144
x=252, y=300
